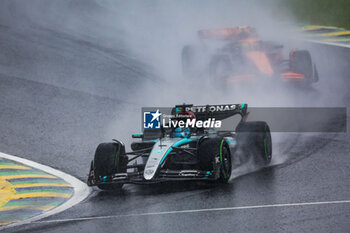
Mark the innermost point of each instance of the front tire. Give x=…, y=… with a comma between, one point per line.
x=211, y=149
x=301, y=62
x=254, y=138
x=109, y=159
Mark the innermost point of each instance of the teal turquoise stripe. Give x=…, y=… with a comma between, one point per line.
x=179, y=143
x=206, y=175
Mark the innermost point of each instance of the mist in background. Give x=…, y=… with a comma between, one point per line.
x=129, y=52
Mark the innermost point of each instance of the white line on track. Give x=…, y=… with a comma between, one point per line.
x=81, y=190
x=198, y=211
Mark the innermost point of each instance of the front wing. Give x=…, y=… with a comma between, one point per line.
x=162, y=176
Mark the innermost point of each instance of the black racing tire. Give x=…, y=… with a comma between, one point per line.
x=211, y=148
x=109, y=159
x=301, y=62
x=188, y=59
x=254, y=138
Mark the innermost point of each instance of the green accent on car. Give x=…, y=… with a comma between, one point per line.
x=221, y=145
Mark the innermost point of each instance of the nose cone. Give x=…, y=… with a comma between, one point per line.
x=159, y=151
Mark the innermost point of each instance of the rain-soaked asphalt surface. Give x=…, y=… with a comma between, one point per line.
x=53, y=111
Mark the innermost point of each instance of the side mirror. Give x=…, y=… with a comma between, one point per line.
x=137, y=135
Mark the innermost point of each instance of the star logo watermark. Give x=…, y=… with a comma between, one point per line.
x=152, y=120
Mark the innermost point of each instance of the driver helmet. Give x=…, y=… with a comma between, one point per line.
x=183, y=132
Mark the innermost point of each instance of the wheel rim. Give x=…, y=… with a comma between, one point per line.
x=226, y=166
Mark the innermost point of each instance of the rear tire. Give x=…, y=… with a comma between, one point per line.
x=301, y=62
x=109, y=159
x=212, y=148
x=254, y=138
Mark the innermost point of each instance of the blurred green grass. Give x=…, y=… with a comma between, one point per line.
x=320, y=12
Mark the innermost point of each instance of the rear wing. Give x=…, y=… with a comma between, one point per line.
x=201, y=112
x=219, y=112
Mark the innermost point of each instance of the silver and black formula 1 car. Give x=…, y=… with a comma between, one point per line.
x=190, y=152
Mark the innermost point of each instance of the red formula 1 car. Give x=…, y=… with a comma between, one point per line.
x=237, y=54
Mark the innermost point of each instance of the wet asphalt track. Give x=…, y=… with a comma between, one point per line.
x=51, y=118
